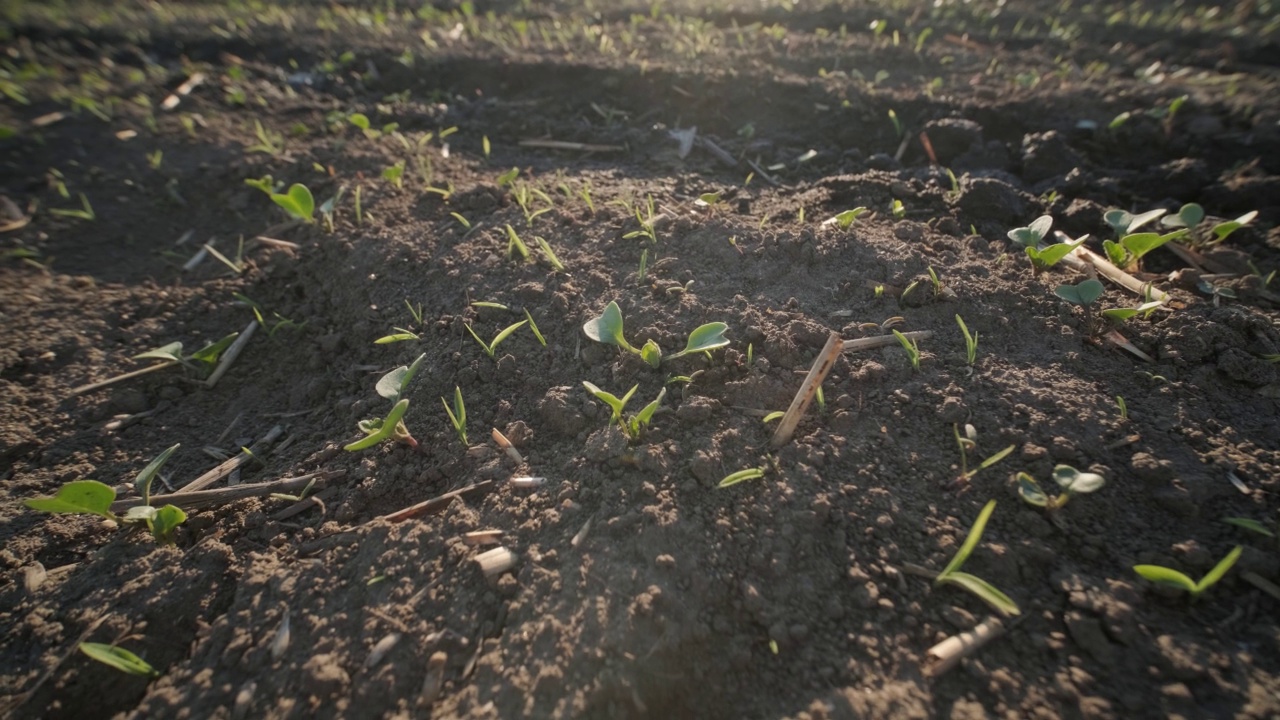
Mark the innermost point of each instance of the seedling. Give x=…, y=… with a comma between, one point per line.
x=298, y=201
x=607, y=329
x=1084, y=294
x=524, y=197
x=1124, y=407
x=647, y=229
x=1033, y=234
x=85, y=214
x=516, y=246
x=393, y=385
x=912, y=349
x=898, y=210
x=966, y=444
x=1251, y=525
x=458, y=415
x=491, y=348
x=984, y=590
x=615, y=403
x=739, y=476
x=328, y=209
x=394, y=174
x=636, y=424
x=970, y=342
x=1043, y=259
x=80, y=497
x=1072, y=481
x=545, y=247
x=118, y=658
x=1223, y=230
x=534, y=327
x=400, y=335
x=201, y=361
x=1129, y=251
x=1216, y=291
x=1188, y=216
x=391, y=427
x=1124, y=223
x=1120, y=315
x=845, y=219
x=1167, y=576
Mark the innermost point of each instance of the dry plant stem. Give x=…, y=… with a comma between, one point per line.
x=1111, y=272
x=183, y=90
x=120, y=378
x=231, y=354
x=873, y=343
x=211, y=498
x=316, y=500
x=763, y=175
x=821, y=366
x=947, y=654
x=717, y=151
x=273, y=242
x=482, y=537
x=196, y=259
x=507, y=447
x=566, y=145
x=496, y=561
x=435, y=504
x=225, y=468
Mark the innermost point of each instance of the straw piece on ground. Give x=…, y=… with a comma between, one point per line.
x=231, y=354
x=496, y=561
x=435, y=504
x=226, y=467
x=945, y=655
x=221, y=496
x=879, y=341
x=821, y=366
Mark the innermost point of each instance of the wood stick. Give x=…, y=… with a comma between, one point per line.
x=764, y=175
x=1109, y=271
x=880, y=341
x=821, y=366
x=221, y=496
x=496, y=561
x=566, y=145
x=227, y=466
x=305, y=504
x=119, y=378
x=946, y=654
x=231, y=354
x=435, y=504
x=720, y=153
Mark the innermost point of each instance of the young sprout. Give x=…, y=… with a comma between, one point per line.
x=636, y=424
x=400, y=335
x=1033, y=234
x=1124, y=407
x=739, y=476
x=298, y=201
x=1083, y=294
x=1072, y=481
x=118, y=658
x=491, y=348
x=1043, y=259
x=391, y=427
x=1124, y=223
x=898, y=210
x=911, y=347
x=545, y=247
x=615, y=403
x=1167, y=576
x=984, y=590
x=1215, y=291
x=79, y=497
x=516, y=246
x=1188, y=216
x=607, y=329
x=970, y=342
x=1127, y=254
x=392, y=386
x=201, y=361
x=843, y=220
x=534, y=327
x=966, y=444
x=1120, y=315
x=394, y=174
x=458, y=415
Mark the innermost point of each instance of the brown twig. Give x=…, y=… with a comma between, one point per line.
x=231, y=354
x=435, y=504
x=119, y=378
x=880, y=341
x=566, y=145
x=226, y=467
x=947, y=654
x=221, y=496
x=821, y=366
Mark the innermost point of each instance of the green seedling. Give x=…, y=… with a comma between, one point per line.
x=775, y=415
x=534, y=327
x=415, y=311
x=739, y=476
x=328, y=209
x=84, y=214
x=911, y=347
x=394, y=174
x=1043, y=259
x=644, y=266
x=508, y=177
x=524, y=197
x=984, y=590
x=1072, y=481
x=160, y=521
x=550, y=254
x=1127, y=254
x=201, y=361
x=647, y=229
x=607, y=329
x=1123, y=407
x=516, y=246
x=615, y=403
x=637, y=423
x=1033, y=234
x=970, y=342
x=1125, y=223
x=457, y=415
x=298, y=201
x=1216, y=292
x=400, y=335
x=118, y=658
x=966, y=444
x=393, y=385
x=391, y=427
x=1168, y=576
x=845, y=219
x=1084, y=294
x=1121, y=315
x=898, y=210
x=492, y=347
x=1188, y=216
x=1251, y=525
x=79, y=497
x=707, y=201
x=1223, y=230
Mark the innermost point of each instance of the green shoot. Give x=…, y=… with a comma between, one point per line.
x=508, y=177
x=615, y=403
x=516, y=246
x=1072, y=481
x=391, y=427
x=1033, y=234
x=1120, y=315
x=970, y=342
x=458, y=415
x=644, y=265
x=202, y=361
x=750, y=354
x=775, y=415
x=937, y=283
x=912, y=349
x=822, y=400
x=704, y=338
x=534, y=327
x=1251, y=525
x=1124, y=408
x=414, y=310
x=118, y=658
x=647, y=229
x=842, y=220
x=298, y=201
x=1128, y=252
x=394, y=174
x=1051, y=255
x=401, y=335
x=359, y=211
x=484, y=145
x=1083, y=293
x=898, y=210
x=84, y=214
x=491, y=348
x=464, y=222
x=739, y=476
x=160, y=521
x=1223, y=230
x=976, y=585
x=142, y=483
x=1125, y=223
x=81, y=497
x=638, y=422
x=1167, y=576
x=551, y=255
x=966, y=444
x=607, y=329
x=393, y=385
x=1188, y=216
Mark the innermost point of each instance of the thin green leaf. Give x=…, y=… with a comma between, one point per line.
x=395, y=337
x=1250, y=524
x=1218, y=571
x=88, y=497
x=737, y=477
x=613, y=401
x=970, y=542
x=148, y=475
x=167, y=518
x=493, y=346
x=985, y=591
x=534, y=327
x=385, y=430
x=210, y=353
x=995, y=458
x=170, y=353
x=1165, y=576
x=775, y=415
x=118, y=658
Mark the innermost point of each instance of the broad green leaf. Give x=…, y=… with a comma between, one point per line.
x=845, y=219
x=171, y=353
x=360, y=120
x=1222, y=230
x=1053, y=254
x=1082, y=293
x=89, y=497
x=167, y=518
x=140, y=514
x=386, y=430
x=735, y=478
x=1076, y=482
x=393, y=384
x=1218, y=571
x=1030, y=491
x=1137, y=221
x=984, y=590
x=970, y=542
x=118, y=658
x=1031, y=235
x=607, y=328
x=1040, y=226
x=1250, y=525
x=1119, y=315
x=1118, y=220
x=1140, y=244
x=1188, y=216
x=148, y=475
x=303, y=200
x=706, y=337
x=1165, y=576
x=210, y=353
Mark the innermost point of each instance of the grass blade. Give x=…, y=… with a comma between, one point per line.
x=970, y=542
x=985, y=591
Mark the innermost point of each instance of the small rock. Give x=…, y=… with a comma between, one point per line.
x=1245, y=368
x=1046, y=155
x=1150, y=469
x=952, y=137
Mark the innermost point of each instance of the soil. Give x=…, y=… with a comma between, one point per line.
x=640, y=588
